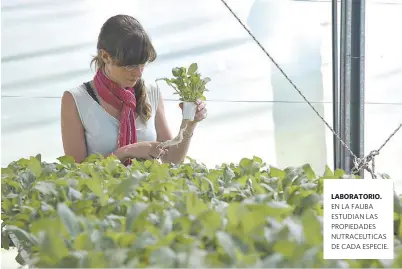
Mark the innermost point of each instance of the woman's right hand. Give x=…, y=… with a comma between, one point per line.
x=143, y=150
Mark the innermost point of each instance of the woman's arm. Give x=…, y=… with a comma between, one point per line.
x=175, y=154
x=72, y=131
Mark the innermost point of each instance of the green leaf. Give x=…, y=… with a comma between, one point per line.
x=286, y=248
x=167, y=224
x=164, y=256
x=311, y=225
x=276, y=208
x=254, y=220
x=46, y=188
x=69, y=220
x=274, y=260
x=211, y=221
x=226, y=242
x=192, y=69
x=127, y=240
x=20, y=259
x=133, y=214
x=70, y=262
x=397, y=204
x=310, y=201
x=93, y=158
x=5, y=240
x=6, y=205
x=35, y=166
x=41, y=225
x=339, y=173
x=66, y=160
x=23, y=237
x=328, y=173
x=233, y=213
x=95, y=186
x=309, y=172
x=176, y=72
x=274, y=172
x=97, y=259
x=194, y=205
x=83, y=242
x=124, y=187
x=206, y=80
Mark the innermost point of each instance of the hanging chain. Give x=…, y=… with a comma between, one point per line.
x=359, y=163
x=362, y=163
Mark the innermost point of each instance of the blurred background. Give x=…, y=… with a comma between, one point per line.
x=47, y=45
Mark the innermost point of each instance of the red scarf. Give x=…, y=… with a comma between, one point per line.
x=119, y=98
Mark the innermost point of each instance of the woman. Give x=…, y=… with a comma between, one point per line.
x=116, y=113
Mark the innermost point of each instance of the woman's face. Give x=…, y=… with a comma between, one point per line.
x=125, y=76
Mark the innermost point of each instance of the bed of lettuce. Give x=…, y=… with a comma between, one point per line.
x=101, y=214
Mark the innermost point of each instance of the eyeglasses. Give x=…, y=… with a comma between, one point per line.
x=134, y=67
x=130, y=67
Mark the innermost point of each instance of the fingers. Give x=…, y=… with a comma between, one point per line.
x=200, y=106
x=202, y=114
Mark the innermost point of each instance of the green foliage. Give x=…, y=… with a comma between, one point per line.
x=188, y=84
x=102, y=214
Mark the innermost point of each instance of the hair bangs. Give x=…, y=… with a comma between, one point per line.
x=136, y=49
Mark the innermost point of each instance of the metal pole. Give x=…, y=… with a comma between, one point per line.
x=344, y=84
x=335, y=86
x=357, y=85
x=352, y=81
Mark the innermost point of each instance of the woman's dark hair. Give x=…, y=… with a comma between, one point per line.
x=126, y=41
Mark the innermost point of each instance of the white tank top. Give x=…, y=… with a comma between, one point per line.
x=102, y=129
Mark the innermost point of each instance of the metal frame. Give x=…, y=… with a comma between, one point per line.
x=335, y=84
x=349, y=111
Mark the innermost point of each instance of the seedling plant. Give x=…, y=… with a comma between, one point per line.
x=190, y=87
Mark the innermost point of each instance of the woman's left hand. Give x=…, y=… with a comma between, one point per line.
x=201, y=113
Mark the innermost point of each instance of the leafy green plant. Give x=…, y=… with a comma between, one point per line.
x=100, y=214
x=188, y=83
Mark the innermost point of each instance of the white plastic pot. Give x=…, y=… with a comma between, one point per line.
x=189, y=110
